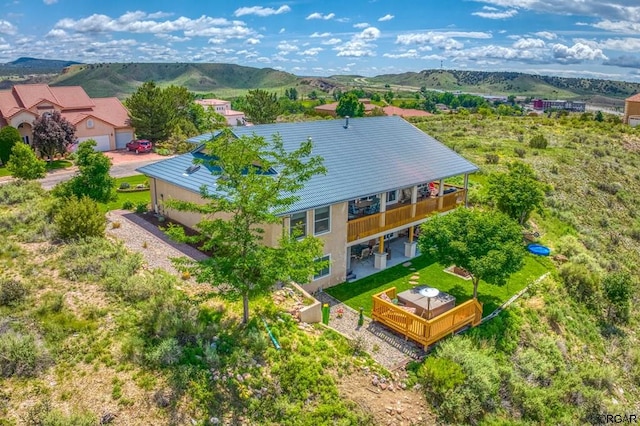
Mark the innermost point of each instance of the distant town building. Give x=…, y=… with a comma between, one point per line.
x=234, y=118
x=544, y=104
x=330, y=109
x=632, y=110
x=104, y=120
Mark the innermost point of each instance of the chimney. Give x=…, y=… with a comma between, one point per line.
x=346, y=123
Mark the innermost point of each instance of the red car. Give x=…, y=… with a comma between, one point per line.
x=140, y=145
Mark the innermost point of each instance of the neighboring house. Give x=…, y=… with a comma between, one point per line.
x=545, y=104
x=405, y=112
x=632, y=110
x=105, y=120
x=330, y=109
x=384, y=176
x=234, y=118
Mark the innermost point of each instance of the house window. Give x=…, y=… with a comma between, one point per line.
x=89, y=124
x=391, y=196
x=324, y=271
x=298, y=225
x=322, y=220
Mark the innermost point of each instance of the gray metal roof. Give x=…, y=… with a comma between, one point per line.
x=371, y=156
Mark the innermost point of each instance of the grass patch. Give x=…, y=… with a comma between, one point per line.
x=4, y=172
x=58, y=164
x=134, y=197
x=359, y=293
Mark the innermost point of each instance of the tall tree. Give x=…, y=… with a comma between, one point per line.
x=53, y=134
x=517, y=193
x=487, y=244
x=9, y=136
x=23, y=163
x=349, y=105
x=245, y=201
x=93, y=179
x=618, y=289
x=262, y=107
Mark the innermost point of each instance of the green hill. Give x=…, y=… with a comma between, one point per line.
x=120, y=80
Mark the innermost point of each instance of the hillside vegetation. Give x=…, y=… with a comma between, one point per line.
x=555, y=357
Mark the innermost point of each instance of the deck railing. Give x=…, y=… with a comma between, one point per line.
x=376, y=223
x=425, y=332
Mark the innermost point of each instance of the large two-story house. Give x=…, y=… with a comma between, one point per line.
x=104, y=120
x=384, y=177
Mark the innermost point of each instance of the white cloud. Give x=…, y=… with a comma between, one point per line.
x=49, y=2
x=529, y=43
x=361, y=25
x=317, y=34
x=546, y=35
x=409, y=54
x=311, y=52
x=171, y=38
x=261, y=11
x=332, y=41
x=607, y=10
x=7, y=27
x=317, y=15
x=627, y=44
x=626, y=27
x=577, y=53
x=282, y=30
x=442, y=39
x=286, y=47
x=360, y=45
x=386, y=17
x=497, y=15
x=252, y=41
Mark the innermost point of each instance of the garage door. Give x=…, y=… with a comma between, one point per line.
x=122, y=138
x=102, y=142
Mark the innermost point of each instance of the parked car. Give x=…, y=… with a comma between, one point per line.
x=139, y=145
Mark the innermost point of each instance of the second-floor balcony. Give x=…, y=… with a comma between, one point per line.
x=370, y=222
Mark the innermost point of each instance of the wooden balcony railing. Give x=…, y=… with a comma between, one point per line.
x=376, y=223
x=425, y=332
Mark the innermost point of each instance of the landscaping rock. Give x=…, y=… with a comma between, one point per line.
x=406, y=264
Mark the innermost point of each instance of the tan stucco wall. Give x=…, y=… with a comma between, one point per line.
x=335, y=244
x=23, y=117
x=630, y=108
x=100, y=128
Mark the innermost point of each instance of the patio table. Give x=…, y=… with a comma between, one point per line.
x=364, y=204
x=438, y=305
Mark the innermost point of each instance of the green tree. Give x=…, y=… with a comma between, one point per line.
x=9, y=136
x=517, y=193
x=245, y=201
x=23, y=163
x=488, y=244
x=388, y=97
x=93, y=179
x=599, y=116
x=618, y=288
x=291, y=94
x=156, y=113
x=53, y=134
x=79, y=218
x=350, y=105
x=262, y=107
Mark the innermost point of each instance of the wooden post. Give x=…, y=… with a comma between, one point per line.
x=466, y=189
x=381, y=245
x=440, y=193
x=411, y=233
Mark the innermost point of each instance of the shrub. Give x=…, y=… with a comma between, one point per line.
x=141, y=207
x=581, y=283
x=520, y=152
x=492, y=158
x=11, y=292
x=538, y=141
x=79, y=218
x=440, y=376
x=167, y=352
x=116, y=225
x=128, y=205
x=569, y=245
x=20, y=191
x=23, y=163
x=21, y=356
x=97, y=259
x=125, y=185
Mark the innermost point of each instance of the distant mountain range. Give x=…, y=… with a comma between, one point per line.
x=229, y=80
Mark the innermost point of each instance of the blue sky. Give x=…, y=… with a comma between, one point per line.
x=590, y=38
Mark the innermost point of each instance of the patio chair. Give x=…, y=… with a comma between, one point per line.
x=373, y=208
x=366, y=253
x=354, y=212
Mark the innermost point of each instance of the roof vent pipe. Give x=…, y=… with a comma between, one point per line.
x=346, y=123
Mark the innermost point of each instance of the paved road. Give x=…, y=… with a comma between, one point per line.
x=117, y=170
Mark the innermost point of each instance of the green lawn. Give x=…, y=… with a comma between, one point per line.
x=4, y=172
x=134, y=197
x=358, y=293
x=58, y=164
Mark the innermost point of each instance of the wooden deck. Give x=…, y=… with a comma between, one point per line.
x=403, y=214
x=425, y=332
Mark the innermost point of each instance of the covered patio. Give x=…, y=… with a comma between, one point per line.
x=364, y=267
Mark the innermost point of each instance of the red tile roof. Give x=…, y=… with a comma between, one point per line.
x=109, y=110
x=405, y=112
x=634, y=98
